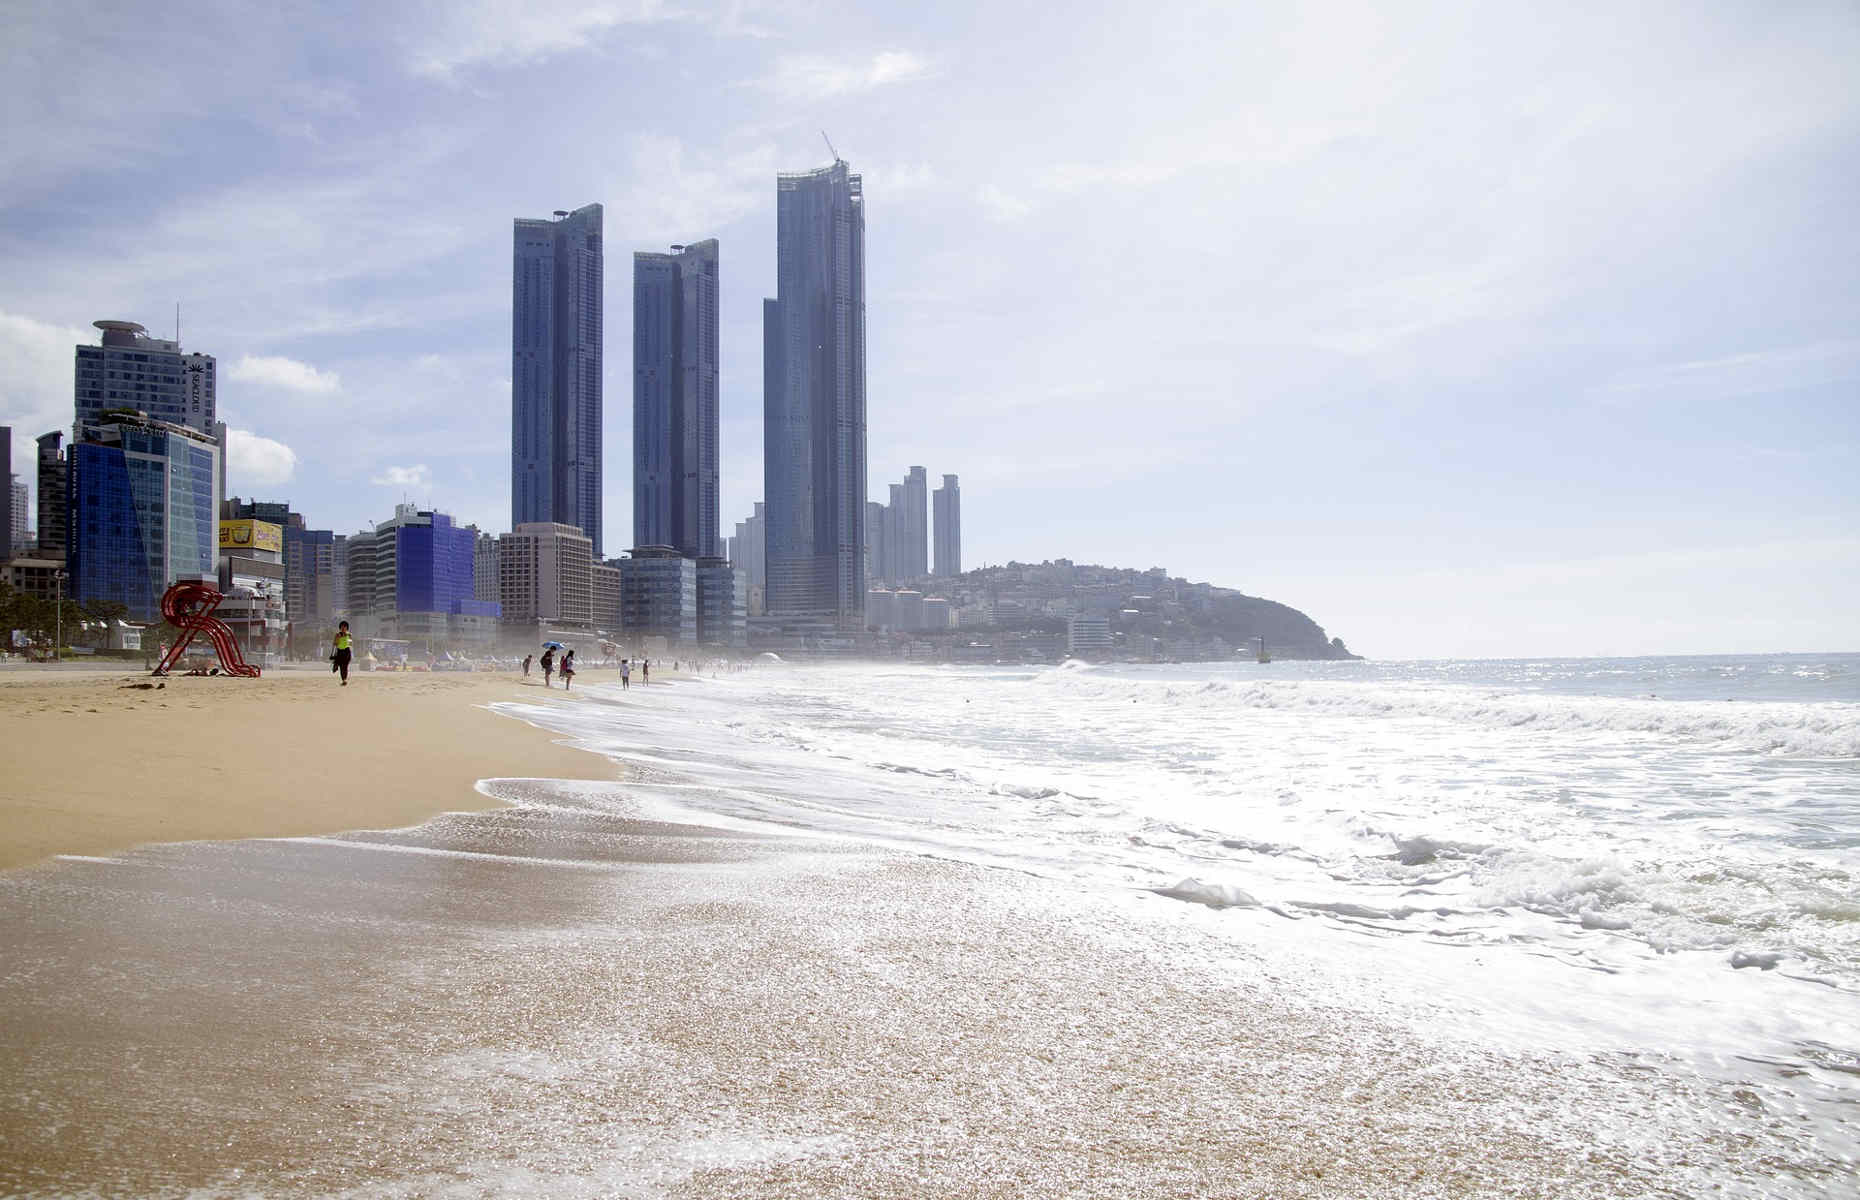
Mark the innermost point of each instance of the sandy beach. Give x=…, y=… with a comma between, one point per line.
x=101, y=759
x=548, y=992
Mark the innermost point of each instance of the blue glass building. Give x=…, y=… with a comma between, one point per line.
x=434, y=565
x=659, y=594
x=555, y=372
x=140, y=511
x=814, y=425
x=675, y=400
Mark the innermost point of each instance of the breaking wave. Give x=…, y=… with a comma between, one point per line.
x=1795, y=730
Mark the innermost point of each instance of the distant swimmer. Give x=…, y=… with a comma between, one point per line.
x=340, y=653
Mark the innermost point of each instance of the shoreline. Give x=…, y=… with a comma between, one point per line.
x=548, y=992
x=572, y=1001
x=100, y=763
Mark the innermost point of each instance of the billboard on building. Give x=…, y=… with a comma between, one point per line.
x=251, y=535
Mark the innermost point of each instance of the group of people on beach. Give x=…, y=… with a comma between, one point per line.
x=566, y=668
x=550, y=667
x=341, y=654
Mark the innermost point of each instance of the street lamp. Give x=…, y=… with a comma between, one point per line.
x=58, y=618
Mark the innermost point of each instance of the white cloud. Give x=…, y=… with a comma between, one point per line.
x=286, y=373
x=1820, y=364
x=518, y=32
x=35, y=381
x=999, y=205
x=257, y=461
x=417, y=476
x=894, y=178
x=672, y=191
x=812, y=77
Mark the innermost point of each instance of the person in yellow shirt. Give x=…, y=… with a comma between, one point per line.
x=339, y=661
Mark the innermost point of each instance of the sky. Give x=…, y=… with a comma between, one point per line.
x=1470, y=330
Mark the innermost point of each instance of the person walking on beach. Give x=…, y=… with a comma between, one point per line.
x=341, y=647
x=548, y=665
x=645, y=670
x=568, y=669
x=526, y=665
x=626, y=674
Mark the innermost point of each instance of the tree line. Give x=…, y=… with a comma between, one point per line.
x=40, y=619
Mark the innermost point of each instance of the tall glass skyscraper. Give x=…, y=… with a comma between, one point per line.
x=814, y=399
x=675, y=442
x=555, y=372
x=948, y=528
x=914, y=527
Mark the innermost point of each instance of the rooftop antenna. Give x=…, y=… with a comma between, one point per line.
x=177, y=322
x=829, y=142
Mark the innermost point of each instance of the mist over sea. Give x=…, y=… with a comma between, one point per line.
x=1648, y=857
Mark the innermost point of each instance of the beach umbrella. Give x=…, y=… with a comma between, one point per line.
x=552, y=645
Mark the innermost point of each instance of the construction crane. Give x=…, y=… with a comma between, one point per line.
x=829, y=142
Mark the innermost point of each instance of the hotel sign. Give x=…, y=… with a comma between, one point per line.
x=195, y=376
x=251, y=535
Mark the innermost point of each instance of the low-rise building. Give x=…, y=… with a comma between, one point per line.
x=722, y=604
x=546, y=576
x=35, y=577
x=658, y=595
x=252, y=588
x=1088, y=635
x=606, y=582
x=410, y=579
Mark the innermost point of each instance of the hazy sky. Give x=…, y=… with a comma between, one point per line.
x=1489, y=329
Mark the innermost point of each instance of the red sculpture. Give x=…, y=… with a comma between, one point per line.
x=188, y=606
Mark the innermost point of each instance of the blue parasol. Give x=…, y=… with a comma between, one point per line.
x=552, y=645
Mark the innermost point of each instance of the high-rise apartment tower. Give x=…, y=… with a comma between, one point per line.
x=675, y=443
x=914, y=526
x=948, y=528
x=814, y=417
x=555, y=372
x=6, y=501
x=51, y=495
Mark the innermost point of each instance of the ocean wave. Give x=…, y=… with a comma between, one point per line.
x=1811, y=730
x=1214, y=895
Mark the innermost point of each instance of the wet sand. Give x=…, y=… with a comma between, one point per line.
x=560, y=998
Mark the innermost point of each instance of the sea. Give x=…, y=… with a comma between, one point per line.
x=1655, y=859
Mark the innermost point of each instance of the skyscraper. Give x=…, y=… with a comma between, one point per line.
x=948, y=528
x=140, y=511
x=877, y=567
x=894, y=535
x=914, y=526
x=6, y=501
x=749, y=554
x=814, y=399
x=52, y=495
x=675, y=442
x=555, y=372
x=17, y=522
